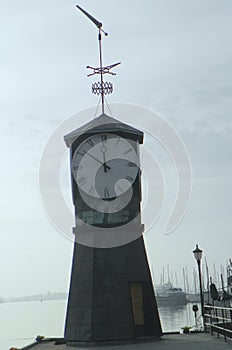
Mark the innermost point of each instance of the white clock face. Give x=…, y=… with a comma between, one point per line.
x=105, y=165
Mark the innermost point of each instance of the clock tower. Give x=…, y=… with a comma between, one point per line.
x=111, y=296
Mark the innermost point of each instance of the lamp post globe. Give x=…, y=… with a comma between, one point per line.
x=197, y=253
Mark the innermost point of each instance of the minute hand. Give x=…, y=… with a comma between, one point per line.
x=105, y=165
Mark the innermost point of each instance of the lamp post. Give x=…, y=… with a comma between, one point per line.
x=198, y=256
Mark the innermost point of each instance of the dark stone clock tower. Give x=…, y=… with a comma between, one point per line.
x=111, y=296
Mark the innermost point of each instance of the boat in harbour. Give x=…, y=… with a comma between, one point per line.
x=229, y=277
x=229, y=281
x=167, y=294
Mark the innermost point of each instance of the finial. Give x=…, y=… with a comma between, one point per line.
x=100, y=88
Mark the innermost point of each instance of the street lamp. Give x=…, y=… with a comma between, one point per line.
x=198, y=256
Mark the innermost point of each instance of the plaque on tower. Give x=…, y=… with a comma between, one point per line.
x=111, y=296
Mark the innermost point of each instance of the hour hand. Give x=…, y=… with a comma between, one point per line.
x=104, y=163
x=106, y=167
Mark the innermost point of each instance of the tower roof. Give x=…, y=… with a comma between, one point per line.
x=104, y=123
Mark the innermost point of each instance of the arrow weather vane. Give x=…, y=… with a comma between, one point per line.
x=100, y=88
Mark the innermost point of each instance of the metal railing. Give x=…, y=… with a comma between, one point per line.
x=219, y=320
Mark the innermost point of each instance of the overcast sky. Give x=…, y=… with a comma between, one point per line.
x=176, y=60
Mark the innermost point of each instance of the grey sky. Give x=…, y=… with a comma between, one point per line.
x=176, y=59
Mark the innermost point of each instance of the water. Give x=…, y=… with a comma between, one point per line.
x=173, y=318
x=20, y=323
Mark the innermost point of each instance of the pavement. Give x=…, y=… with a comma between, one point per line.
x=199, y=341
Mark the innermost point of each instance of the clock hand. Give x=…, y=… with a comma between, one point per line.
x=105, y=165
x=104, y=160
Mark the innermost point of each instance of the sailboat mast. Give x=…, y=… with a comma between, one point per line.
x=184, y=280
x=187, y=282
x=168, y=274
x=207, y=276
x=176, y=279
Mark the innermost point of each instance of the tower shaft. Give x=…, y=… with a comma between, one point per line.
x=111, y=295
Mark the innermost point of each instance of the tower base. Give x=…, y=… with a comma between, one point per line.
x=111, y=296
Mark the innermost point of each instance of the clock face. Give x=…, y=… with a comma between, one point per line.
x=105, y=166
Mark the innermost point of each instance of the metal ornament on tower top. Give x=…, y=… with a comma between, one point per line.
x=100, y=88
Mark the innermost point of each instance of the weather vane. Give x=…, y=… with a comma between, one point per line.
x=100, y=88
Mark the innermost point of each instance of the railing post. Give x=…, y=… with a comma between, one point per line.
x=216, y=314
x=223, y=320
x=211, y=319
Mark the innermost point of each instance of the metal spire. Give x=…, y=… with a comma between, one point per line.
x=100, y=88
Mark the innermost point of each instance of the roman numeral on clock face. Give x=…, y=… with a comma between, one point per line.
x=129, y=178
x=131, y=165
x=103, y=137
x=82, y=180
x=128, y=151
x=77, y=167
x=106, y=192
x=91, y=190
x=117, y=142
x=82, y=153
x=90, y=142
x=120, y=188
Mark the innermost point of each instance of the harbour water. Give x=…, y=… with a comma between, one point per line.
x=21, y=322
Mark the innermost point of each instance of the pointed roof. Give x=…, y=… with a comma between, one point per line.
x=103, y=123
